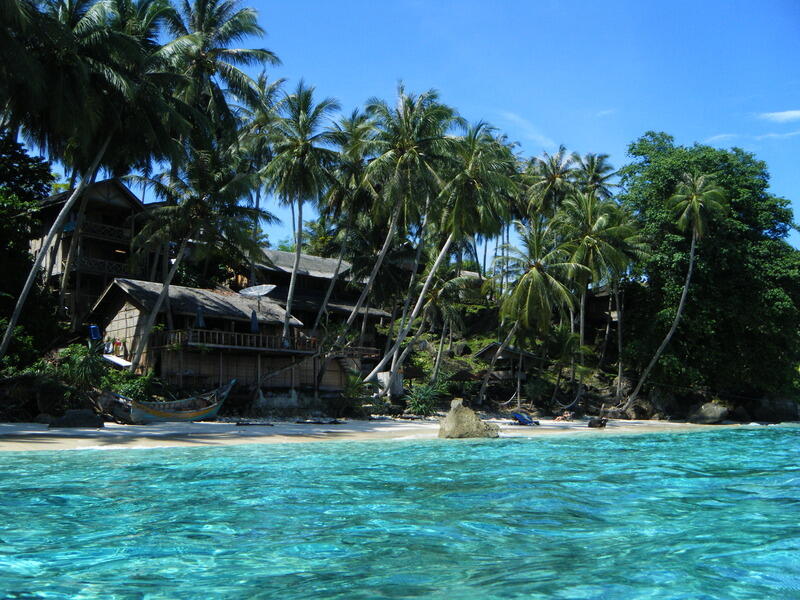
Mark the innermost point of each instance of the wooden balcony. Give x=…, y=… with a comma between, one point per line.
x=101, y=230
x=208, y=338
x=100, y=266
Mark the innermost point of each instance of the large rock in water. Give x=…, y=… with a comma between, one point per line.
x=708, y=414
x=78, y=418
x=463, y=422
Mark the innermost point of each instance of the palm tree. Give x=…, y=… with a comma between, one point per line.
x=551, y=180
x=593, y=174
x=128, y=106
x=210, y=64
x=203, y=206
x=541, y=271
x=697, y=198
x=301, y=167
x=468, y=203
x=349, y=195
x=410, y=144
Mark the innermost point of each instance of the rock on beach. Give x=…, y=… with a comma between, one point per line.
x=463, y=422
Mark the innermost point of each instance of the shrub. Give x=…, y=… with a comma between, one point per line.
x=424, y=398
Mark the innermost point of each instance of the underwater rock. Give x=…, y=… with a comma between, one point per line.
x=463, y=422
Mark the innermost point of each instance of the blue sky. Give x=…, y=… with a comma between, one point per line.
x=591, y=75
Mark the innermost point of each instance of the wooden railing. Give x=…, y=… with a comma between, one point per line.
x=231, y=339
x=111, y=232
x=101, y=266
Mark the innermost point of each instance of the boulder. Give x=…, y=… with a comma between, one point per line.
x=78, y=418
x=463, y=422
x=598, y=422
x=708, y=414
x=776, y=410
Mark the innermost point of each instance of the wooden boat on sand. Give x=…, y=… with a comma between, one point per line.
x=196, y=408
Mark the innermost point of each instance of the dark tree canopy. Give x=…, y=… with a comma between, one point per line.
x=24, y=182
x=740, y=333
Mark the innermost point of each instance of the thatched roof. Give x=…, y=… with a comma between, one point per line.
x=314, y=266
x=186, y=301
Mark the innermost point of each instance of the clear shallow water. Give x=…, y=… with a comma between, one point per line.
x=700, y=515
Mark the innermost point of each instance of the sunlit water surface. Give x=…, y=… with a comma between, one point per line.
x=699, y=515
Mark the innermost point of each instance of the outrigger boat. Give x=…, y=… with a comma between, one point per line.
x=197, y=408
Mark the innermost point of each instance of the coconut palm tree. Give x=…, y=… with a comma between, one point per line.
x=211, y=65
x=300, y=169
x=410, y=146
x=593, y=174
x=467, y=203
x=551, y=179
x=541, y=271
x=128, y=107
x=696, y=199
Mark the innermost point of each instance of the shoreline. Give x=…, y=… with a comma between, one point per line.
x=27, y=437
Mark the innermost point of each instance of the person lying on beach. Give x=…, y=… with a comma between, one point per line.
x=565, y=416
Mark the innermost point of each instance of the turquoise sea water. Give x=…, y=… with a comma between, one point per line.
x=698, y=515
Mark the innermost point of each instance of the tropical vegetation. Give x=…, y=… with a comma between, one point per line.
x=683, y=249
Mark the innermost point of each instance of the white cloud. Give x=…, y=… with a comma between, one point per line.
x=606, y=112
x=528, y=129
x=783, y=116
x=721, y=137
x=778, y=136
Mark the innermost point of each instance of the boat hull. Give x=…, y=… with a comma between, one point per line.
x=141, y=413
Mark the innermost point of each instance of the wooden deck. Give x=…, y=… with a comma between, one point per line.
x=207, y=338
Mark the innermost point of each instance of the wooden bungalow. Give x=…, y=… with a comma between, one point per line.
x=206, y=337
x=101, y=240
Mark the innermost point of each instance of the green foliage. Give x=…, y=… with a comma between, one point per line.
x=740, y=330
x=137, y=387
x=351, y=400
x=424, y=398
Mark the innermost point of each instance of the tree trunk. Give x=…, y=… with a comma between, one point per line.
x=363, y=325
x=390, y=333
x=151, y=318
x=503, y=346
x=619, y=306
x=293, y=280
x=373, y=274
x=406, y=351
x=324, y=308
x=439, y=353
x=519, y=382
x=55, y=229
x=420, y=301
x=606, y=335
x=672, y=329
x=256, y=229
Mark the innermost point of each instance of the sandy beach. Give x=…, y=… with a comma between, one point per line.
x=34, y=436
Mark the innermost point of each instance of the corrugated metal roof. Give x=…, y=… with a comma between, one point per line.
x=315, y=266
x=185, y=300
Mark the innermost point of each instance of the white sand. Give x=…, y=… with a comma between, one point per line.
x=34, y=436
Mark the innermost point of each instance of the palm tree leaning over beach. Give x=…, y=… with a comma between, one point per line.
x=128, y=114
x=300, y=169
x=468, y=203
x=696, y=199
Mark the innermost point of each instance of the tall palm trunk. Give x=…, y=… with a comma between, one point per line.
x=420, y=301
x=406, y=351
x=324, y=308
x=606, y=335
x=413, y=280
x=295, y=267
x=257, y=202
x=55, y=229
x=672, y=329
x=439, y=353
x=373, y=274
x=619, y=306
x=503, y=346
x=151, y=318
